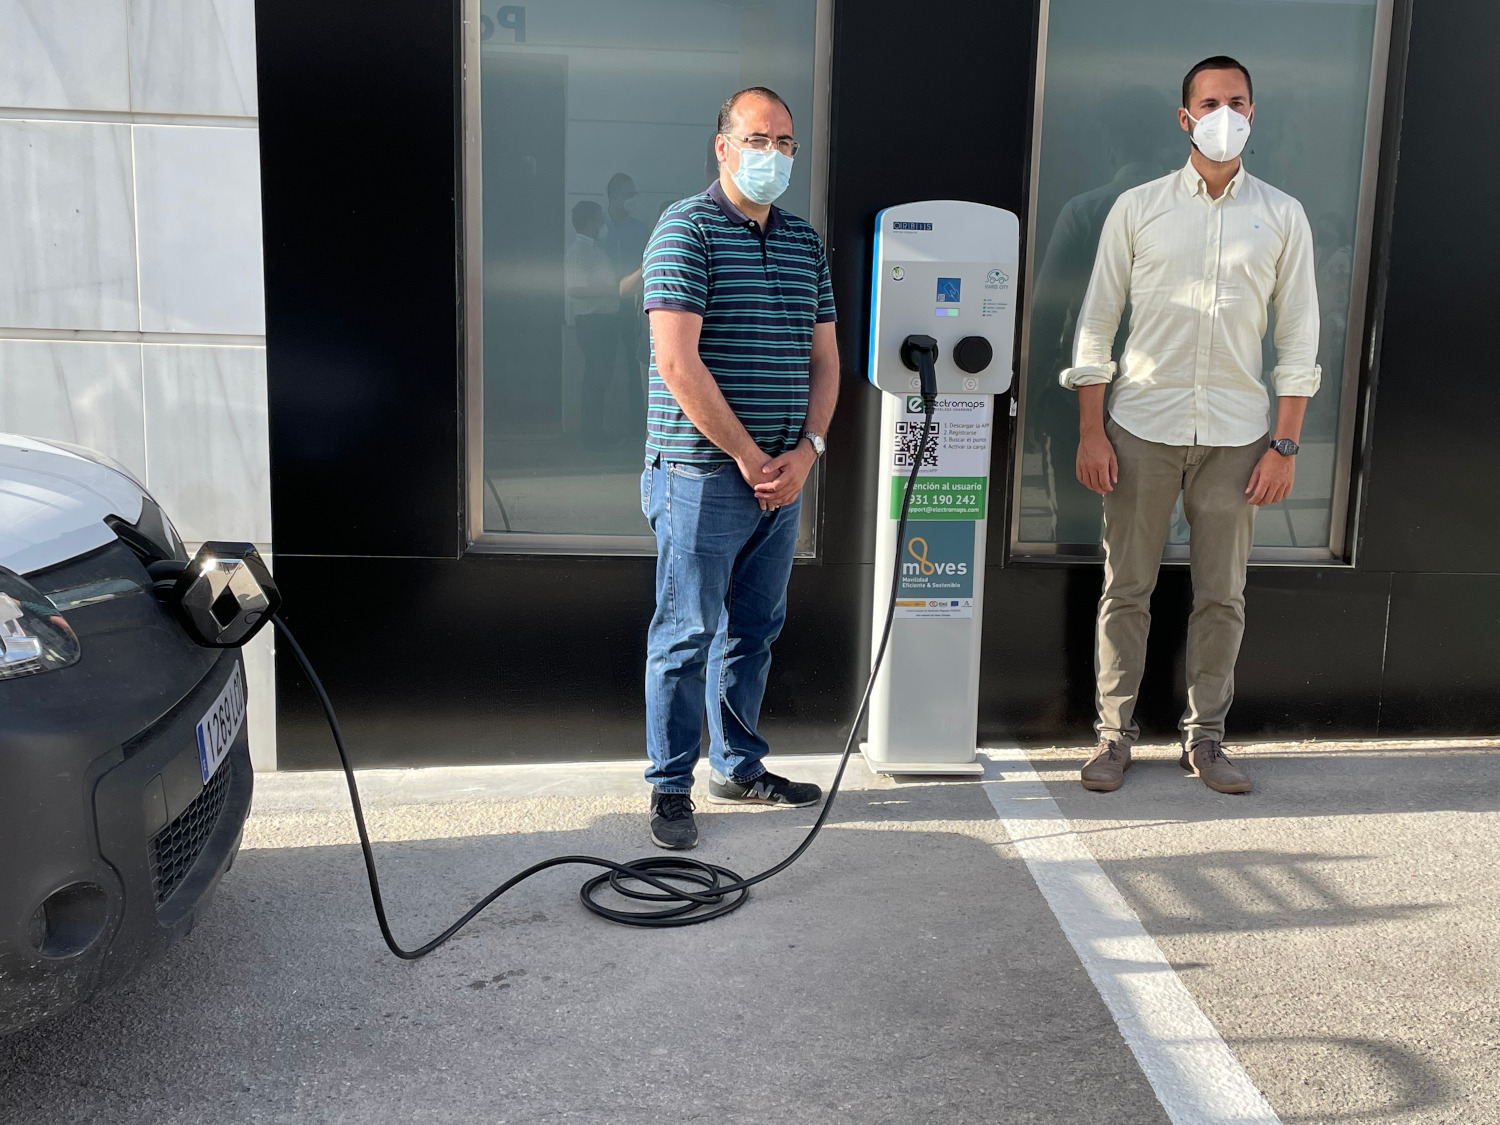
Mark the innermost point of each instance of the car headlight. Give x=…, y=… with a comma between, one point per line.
x=34, y=637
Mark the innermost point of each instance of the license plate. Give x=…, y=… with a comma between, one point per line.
x=220, y=725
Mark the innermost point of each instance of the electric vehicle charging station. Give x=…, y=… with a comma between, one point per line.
x=944, y=276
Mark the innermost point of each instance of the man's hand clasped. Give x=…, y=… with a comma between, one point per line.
x=778, y=481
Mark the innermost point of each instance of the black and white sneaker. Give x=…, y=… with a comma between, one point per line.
x=672, y=821
x=767, y=789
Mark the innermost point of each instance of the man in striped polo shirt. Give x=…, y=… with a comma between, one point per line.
x=744, y=377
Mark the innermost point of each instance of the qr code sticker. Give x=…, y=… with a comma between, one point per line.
x=908, y=437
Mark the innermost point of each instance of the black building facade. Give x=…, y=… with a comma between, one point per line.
x=440, y=648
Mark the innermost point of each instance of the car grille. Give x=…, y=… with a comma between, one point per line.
x=177, y=847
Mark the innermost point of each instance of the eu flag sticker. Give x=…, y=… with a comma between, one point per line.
x=948, y=288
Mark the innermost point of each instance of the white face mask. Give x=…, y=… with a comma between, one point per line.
x=1221, y=135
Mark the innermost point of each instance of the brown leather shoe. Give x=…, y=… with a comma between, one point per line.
x=1105, y=771
x=1206, y=759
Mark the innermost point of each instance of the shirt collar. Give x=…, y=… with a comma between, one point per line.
x=1194, y=182
x=735, y=215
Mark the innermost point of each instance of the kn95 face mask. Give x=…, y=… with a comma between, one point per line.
x=1221, y=135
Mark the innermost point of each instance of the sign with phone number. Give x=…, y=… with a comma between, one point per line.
x=941, y=498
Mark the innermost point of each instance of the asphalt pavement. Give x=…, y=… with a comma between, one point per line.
x=1334, y=932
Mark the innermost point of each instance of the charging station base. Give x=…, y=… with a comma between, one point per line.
x=927, y=769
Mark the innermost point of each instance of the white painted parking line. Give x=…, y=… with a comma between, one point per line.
x=1194, y=1073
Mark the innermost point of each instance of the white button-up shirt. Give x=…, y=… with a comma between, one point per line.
x=1198, y=274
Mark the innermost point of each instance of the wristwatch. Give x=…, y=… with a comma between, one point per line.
x=1285, y=446
x=820, y=446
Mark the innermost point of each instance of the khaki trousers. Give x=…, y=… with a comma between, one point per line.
x=1137, y=516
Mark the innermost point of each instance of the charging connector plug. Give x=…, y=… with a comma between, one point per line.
x=919, y=353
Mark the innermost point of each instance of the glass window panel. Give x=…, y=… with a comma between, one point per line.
x=576, y=95
x=1112, y=84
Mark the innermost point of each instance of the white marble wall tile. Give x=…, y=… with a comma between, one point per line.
x=192, y=56
x=207, y=451
x=67, y=227
x=81, y=392
x=198, y=216
x=64, y=54
x=260, y=686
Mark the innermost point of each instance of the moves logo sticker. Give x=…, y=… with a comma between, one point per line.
x=937, y=560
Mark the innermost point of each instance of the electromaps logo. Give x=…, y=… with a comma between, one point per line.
x=950, y=404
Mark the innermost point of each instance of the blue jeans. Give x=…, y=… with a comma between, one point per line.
x=722, y=567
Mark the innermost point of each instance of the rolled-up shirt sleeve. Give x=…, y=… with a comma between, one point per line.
x=1103, y=304
x=1295, y=300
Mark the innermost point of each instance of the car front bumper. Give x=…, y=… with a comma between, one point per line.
x=110, y=843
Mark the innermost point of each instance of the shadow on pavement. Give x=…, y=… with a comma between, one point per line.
x=1246, y=891
x=1287, y=785
x=1375, y=1080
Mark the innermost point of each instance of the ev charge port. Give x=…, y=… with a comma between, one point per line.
x=973, y=354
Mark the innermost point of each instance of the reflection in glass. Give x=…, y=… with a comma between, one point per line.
x=1112, y=85
x=595, y=115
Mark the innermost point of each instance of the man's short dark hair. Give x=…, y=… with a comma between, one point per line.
x=583, y=211
x=616, y=186
x=1218, y=62
x=726, y=111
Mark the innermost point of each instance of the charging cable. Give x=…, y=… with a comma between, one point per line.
x=673, y=890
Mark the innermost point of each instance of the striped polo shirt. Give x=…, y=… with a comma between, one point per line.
x=759, y=294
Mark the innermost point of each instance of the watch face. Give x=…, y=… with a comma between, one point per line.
x=1285, y=446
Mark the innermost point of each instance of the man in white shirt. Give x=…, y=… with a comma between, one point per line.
x=1198, y=255
x=593, y=308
